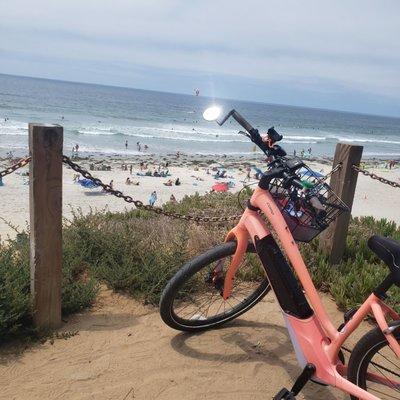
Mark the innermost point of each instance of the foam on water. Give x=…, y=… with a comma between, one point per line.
x=100, y=119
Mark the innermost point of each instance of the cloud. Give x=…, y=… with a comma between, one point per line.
x=313, y=46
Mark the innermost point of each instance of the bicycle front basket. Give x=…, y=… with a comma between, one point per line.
x=302, y=220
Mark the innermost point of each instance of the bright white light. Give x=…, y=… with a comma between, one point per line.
x=212, y=113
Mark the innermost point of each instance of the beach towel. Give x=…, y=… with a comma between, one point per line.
x=220, y=187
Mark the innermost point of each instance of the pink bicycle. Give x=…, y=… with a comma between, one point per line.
x=228, y=280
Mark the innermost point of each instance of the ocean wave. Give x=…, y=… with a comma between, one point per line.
x=364, y=140
x=302, y=138
x=380, y=154
x=13, y=129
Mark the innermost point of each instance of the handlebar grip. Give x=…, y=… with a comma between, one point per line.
x=268, y=176
x=240, y=120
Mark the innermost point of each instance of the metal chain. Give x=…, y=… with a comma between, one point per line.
x=376, y=177
x=330, y=173
x=16, y=166
x=139, y=204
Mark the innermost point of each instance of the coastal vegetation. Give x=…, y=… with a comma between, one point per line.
x=137, y=252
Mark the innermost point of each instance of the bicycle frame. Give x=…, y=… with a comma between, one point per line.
x=315, y=339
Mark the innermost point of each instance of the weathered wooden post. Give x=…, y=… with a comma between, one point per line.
x=343, y=183
x=45, y=201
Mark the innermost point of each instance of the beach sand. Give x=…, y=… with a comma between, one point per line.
x=123, y=351
x=372, y=197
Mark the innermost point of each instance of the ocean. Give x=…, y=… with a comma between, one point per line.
x=100, y=119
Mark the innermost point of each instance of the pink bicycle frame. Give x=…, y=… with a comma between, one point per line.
x=315, y=339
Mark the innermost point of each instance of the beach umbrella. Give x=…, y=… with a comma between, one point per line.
x=220, y=187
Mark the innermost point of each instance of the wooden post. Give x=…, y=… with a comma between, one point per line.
x=45, y=201
x=343, y=183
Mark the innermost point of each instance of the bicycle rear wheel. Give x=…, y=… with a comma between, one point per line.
x=192, y=300
x=375, y=367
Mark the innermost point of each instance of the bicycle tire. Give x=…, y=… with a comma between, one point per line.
x=197, y=264
x=362, y=360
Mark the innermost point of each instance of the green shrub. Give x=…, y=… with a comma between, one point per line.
x=15, y=312
x=360, y=271
x=78, y=288
x=138, y=252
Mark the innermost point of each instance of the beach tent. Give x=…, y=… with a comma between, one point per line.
x=220, y=187
x=87, y=183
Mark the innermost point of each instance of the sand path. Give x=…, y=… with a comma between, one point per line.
x=124, y=351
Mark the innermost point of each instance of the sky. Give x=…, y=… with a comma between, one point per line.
x=342, y=55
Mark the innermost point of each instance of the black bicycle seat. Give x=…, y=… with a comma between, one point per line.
x=388, y=250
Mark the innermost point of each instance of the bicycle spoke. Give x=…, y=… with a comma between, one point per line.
x=200, y=297
x=391, y=362
x=387, y=381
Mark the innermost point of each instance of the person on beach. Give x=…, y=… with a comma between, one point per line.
x=77, y=149
x=111, y=184
x=138, y=146
x=392, y=164
x=128, y=181
x=177, y=182
x=153, y=198
x=126, y=145
x=146, y=147
x=169, y=182
x=130, y=169
x=172, y=199
x=248, y=171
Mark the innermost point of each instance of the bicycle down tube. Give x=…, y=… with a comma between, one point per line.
x=307, y=329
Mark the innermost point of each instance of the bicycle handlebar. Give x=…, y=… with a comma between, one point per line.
x=283, y=168
x=270, y=149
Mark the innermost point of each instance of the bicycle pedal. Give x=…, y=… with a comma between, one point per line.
x=284, y=394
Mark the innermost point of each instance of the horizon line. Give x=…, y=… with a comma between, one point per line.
x=187, y=94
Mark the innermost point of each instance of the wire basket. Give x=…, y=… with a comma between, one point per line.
x=304, y=222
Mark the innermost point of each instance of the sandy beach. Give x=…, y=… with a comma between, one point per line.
x=121, y=350
x=372, y=197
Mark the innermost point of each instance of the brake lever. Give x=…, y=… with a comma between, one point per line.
x=244, y=134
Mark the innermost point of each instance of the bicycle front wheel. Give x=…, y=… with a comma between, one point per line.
x=375, y=367
x=193, y=301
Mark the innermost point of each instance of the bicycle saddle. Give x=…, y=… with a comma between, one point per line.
x=388, y=250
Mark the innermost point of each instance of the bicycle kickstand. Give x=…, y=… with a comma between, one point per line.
x=305, y=376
